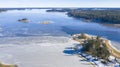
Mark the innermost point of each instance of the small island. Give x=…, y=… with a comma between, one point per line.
x=24, y=20
x=7, y=65
x=46, y=22
x=97, y=47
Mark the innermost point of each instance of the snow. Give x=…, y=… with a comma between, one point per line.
x=44, y=51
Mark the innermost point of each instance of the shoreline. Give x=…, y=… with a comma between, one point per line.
x=113, y=46
x=114, y=51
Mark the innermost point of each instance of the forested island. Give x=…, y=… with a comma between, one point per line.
x=59, y=10
x=25, y=20
x=103, y=16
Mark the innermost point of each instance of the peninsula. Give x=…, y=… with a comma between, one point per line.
x=97, y=46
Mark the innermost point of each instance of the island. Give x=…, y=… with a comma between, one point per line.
x=59, y=10
x=7, y=65
x=99, y=48
x=24, y=20
x=46, y=22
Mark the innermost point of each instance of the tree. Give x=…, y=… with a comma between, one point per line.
x=93, y=46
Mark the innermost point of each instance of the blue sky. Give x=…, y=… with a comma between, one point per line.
x=59, y=3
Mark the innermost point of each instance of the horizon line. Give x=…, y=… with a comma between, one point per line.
x=59, y=7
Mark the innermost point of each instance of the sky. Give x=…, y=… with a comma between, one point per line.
x=59, y=3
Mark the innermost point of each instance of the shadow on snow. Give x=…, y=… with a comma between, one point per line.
x=69, y=51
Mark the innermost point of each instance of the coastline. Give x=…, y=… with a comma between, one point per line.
x=115, y=52
x=116, y=45
x=113, y=46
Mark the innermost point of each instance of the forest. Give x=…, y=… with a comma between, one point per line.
x=103, y=16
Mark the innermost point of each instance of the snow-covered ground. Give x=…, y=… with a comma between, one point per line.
x=44, y=51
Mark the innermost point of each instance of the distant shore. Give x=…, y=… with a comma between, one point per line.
x=112, y=25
